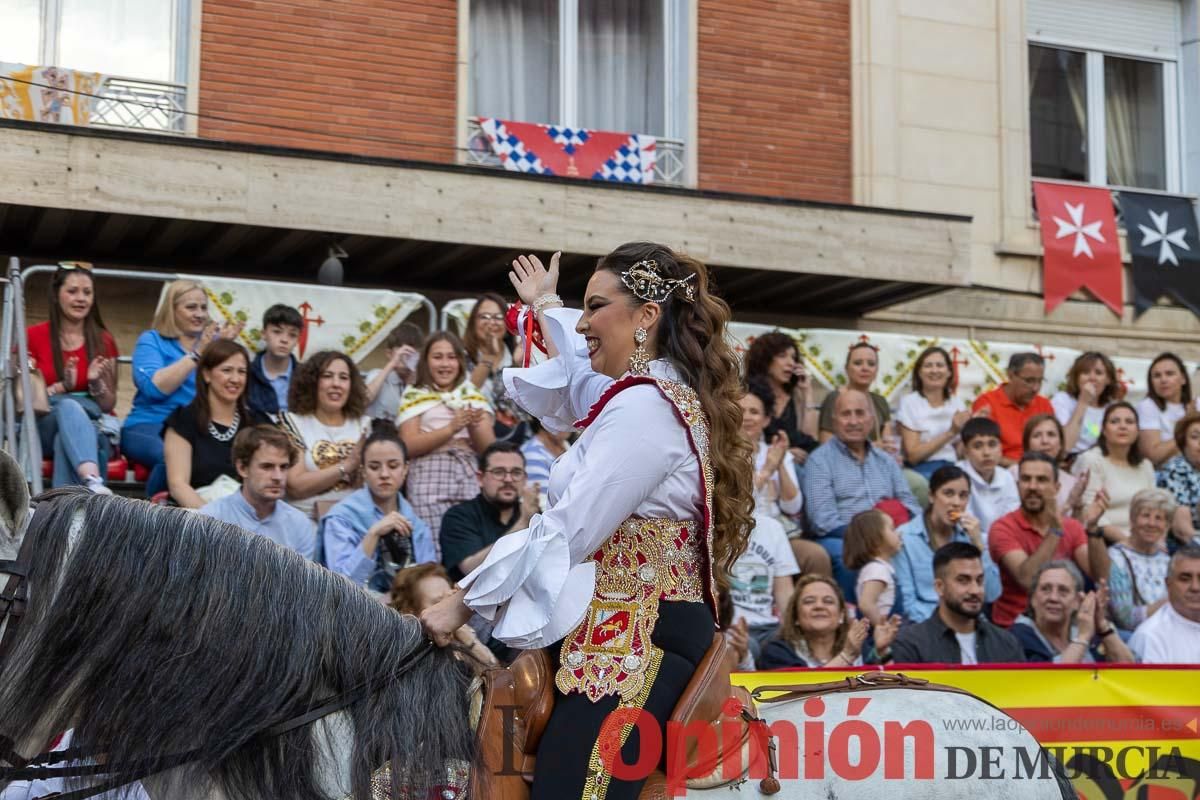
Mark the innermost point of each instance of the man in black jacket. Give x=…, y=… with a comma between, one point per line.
x=271, y=372
x=957, y=633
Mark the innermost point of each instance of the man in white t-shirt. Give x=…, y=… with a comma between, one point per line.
x=1172, y=634
x=762, y=580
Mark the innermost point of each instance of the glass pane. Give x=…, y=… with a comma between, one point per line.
x=127, y=38
x=1058, y=113
x=621, y=59
x=514, y=60
x=20, y=31
x=1134, y=126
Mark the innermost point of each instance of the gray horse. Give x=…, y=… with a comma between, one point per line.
x=203, y=660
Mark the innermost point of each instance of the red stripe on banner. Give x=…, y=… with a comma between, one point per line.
x=1051, y=724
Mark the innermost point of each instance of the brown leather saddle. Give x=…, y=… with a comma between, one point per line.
x=518, y=701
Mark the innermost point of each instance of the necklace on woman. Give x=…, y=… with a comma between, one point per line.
x=229, y=433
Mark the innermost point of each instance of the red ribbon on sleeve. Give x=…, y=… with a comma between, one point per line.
x=531, y=336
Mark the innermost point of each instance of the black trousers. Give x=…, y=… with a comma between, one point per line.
x=683, y=632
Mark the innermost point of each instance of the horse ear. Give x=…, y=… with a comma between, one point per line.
x=14, y=496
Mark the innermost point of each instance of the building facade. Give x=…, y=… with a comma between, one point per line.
x=840, y=162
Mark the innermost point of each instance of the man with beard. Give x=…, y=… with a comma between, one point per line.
x=957, y=633
x=1022, y=541
x=262, y=456
x=504, y=504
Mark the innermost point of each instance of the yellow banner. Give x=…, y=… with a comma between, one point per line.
x=1120, y=731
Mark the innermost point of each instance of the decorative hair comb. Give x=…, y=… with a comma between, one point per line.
x=647, y=284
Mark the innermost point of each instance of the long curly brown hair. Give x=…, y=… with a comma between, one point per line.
x=302, y=394
x=691, y=334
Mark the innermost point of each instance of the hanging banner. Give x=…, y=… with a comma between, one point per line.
x=353, y=321
x=1120, y=731
x=1164, y=246
x=47, y=94
x=1080, y=243
x=572, y=152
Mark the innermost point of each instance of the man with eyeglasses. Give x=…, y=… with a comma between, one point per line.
x=504, y=504
x=1013, y=402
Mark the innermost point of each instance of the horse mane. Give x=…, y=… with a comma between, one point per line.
x=163, y=631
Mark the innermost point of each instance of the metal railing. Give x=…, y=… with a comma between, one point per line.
x=26, y=445
x=138, y=105
x=670, y=165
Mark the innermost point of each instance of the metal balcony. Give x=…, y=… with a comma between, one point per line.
x=139, y=105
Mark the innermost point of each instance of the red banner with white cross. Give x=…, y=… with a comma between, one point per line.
x=1079, y=237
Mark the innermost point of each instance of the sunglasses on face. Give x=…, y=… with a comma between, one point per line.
x=492, y=317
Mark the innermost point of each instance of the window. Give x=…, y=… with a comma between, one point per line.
x=142, y=39
x=1102, y=118
x=603, y=64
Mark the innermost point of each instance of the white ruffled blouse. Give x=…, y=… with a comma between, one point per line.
x=633, y=460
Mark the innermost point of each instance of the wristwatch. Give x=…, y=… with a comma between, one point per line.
x=1105, y=634
x=1095, y=533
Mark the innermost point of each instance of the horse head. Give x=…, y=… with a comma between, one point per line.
x=14, y=506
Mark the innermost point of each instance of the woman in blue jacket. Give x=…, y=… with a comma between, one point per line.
x=164, y=372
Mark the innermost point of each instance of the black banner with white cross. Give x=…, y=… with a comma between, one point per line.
x=1164, y=245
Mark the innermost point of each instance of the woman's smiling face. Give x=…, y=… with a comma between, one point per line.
x=609, y=321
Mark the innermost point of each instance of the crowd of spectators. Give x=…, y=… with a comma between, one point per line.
x=1012, y=528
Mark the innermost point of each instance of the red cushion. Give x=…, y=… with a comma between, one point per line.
x=47, y=468
x=140, y=472
x=117, y=468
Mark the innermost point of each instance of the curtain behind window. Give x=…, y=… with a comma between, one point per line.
x=514, y=60
x=1058, y=113
x=1134, y=125
x=20, y=32
x=130, y=38
x=621, y=62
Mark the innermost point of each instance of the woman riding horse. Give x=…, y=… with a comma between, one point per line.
x=648, y=510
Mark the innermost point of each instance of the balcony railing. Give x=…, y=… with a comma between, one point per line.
x=138, y=105
x=670, y=165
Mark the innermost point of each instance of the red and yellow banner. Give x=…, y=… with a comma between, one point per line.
x=1122, y=731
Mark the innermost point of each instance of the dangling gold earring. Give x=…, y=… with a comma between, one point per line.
x=639, y=361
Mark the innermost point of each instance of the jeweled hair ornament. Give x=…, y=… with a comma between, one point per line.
x=644, y=280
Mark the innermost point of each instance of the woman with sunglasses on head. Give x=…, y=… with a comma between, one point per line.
x=165, y=360
x=446, y=423
x=74, y=358
x=660, y=477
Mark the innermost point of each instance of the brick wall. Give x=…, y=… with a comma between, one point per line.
x=774, y=97
x=373, y=77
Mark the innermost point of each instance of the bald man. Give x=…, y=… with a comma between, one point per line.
x=847, y=475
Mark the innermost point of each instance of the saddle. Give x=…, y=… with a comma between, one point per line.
x=518, y=701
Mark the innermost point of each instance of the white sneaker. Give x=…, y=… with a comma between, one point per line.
x=95, y=485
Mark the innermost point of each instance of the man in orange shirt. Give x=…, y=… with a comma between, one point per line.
x=1013, y=402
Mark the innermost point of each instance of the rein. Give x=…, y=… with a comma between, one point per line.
x=14, y=603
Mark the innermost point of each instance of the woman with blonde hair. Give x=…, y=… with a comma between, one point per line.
x=660, y=477
x=817, y=630
x=165, y=359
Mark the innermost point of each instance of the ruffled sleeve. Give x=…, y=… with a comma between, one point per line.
x=535, y=584
x=561, y=390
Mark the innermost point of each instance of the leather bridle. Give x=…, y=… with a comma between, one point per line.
x=14, y=603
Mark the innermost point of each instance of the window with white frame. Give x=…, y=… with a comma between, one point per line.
x=142, y=39
x=602, y=64
x=1102, y=118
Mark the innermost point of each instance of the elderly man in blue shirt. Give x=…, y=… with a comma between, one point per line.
x=262, y=456
x=847, y=475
